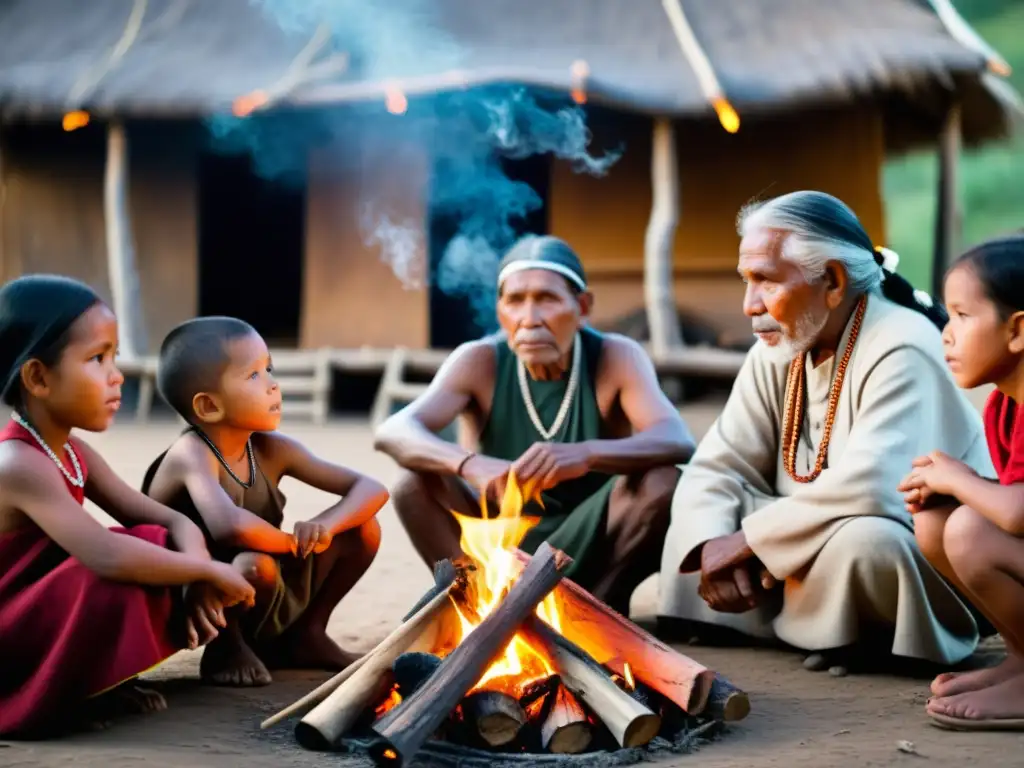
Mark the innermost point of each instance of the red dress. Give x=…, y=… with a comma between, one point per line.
x=65, y=633
x=1005, y=434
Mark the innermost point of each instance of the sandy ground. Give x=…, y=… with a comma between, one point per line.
x=798, y=719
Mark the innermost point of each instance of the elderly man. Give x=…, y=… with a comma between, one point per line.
x=788, y=523
x=577, y=412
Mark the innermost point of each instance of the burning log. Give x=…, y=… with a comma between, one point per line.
x=565, y=730
x=328, y=721
x=630, y=722
x=403, y=730
x=492, y=717
x=612, y=640
x=445, y=575
x=727, y=702
x=411, y=670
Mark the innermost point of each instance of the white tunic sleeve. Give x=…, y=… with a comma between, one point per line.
x=904, y=407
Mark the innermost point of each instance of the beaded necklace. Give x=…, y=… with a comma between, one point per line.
x=224, y=463
x=794, y=414
x=78, y=479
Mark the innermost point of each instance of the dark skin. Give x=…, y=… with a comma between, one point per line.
x=344, y=538
x=777, y=296
x=970, y=527
x=540, y=315
x=83, y=391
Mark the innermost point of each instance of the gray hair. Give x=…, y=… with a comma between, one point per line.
x=820, y=229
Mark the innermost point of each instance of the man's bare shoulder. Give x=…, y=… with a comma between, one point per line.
x=469, y=363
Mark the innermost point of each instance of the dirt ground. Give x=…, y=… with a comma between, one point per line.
x=798, y=718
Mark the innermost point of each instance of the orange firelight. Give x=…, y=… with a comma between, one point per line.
x=726, y=114
x=74, y=120
x=395, y=101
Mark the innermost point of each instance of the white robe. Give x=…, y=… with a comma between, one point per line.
x=843, y=544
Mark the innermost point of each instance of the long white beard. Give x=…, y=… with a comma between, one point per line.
x=808, y=327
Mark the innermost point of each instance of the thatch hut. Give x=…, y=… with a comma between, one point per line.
x=821, y=93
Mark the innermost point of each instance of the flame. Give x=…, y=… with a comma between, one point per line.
x=75, y=120
x=489, y=543
x=246, y=105
x=726, y=114
x=580, y=71
x=393, y=700
x=627, y=673
x=395, y=101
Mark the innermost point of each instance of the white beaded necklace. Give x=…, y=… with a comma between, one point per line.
x=78, y=480
x=563, y=409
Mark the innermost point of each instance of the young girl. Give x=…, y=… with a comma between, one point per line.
x=83, y=609
x=969, y=527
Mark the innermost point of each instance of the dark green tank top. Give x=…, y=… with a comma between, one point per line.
x=509, y=432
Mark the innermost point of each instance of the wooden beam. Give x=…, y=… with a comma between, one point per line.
x=123, y=274
x=659, y=293
x=948, y=219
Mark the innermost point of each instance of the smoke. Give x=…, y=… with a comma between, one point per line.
x=468, y=134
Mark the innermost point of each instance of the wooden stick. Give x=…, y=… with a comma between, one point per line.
x=630, y=722
x=403, y=730
x=444, y=576
x=565, y=730
x=492, y=717
x=611, y=639
x=727, y=702
x=330, y=719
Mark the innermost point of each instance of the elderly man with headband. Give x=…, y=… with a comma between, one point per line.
x=572, y=412
x=788, y=523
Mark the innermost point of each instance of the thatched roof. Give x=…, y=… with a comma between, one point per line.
x=193, y=57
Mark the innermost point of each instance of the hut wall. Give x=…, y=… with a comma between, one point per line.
x=53, y=214
x=351, y=296
x=838, y=151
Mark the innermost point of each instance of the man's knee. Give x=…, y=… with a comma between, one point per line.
x=408, y=493
x=259, y=569
x=873, y=540
x=650, y=500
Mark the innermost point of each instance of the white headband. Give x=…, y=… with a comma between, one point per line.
x=550, y=266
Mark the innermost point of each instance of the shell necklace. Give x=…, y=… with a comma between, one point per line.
x=567, y=398
x=224, y=463
x=794, y=414
x=78, y=480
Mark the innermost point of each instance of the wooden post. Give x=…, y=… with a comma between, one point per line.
x=659, y=293
x=948, y=213
x=123, y=273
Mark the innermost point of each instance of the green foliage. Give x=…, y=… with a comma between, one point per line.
x=991, y=179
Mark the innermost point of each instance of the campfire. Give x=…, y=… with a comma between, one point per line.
x=503, y=654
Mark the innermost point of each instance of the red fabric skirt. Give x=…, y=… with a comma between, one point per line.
x=66, y=634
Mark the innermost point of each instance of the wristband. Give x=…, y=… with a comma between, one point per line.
x=458, y=469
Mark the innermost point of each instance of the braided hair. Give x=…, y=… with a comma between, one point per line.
x=823, y=228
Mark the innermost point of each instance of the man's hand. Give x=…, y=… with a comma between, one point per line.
x=487, y=475
x=932, y=480
x=545, y=465
x=311, y=537
x=204, y=615
x=724, y=553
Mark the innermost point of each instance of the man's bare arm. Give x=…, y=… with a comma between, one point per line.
x=660, y=436
x=408, y=436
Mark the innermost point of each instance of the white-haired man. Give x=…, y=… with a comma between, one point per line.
x=787, y=523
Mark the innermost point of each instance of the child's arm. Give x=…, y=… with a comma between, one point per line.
x=132, y=507
x=363, y=496
x=1002, y=505
x=30, y=485
x=228, y=523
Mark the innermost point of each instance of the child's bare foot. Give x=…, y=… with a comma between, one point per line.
x=127, y=699
x=309, y=649
x=954, y=683
x=998, y=706
x=230, y=661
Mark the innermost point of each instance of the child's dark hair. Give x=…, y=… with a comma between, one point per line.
x=999, y=266
x=36, y=315
x=193, y=358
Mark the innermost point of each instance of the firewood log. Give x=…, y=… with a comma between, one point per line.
x=330, y=719
x=565, y=730
x=611, y=639
x=727, y=702
x=492, y=717
x=444, y=577
x=630, y=722
x=403, y=730
x=411, y=670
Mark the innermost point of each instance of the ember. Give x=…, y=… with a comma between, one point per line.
x=504, y=654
